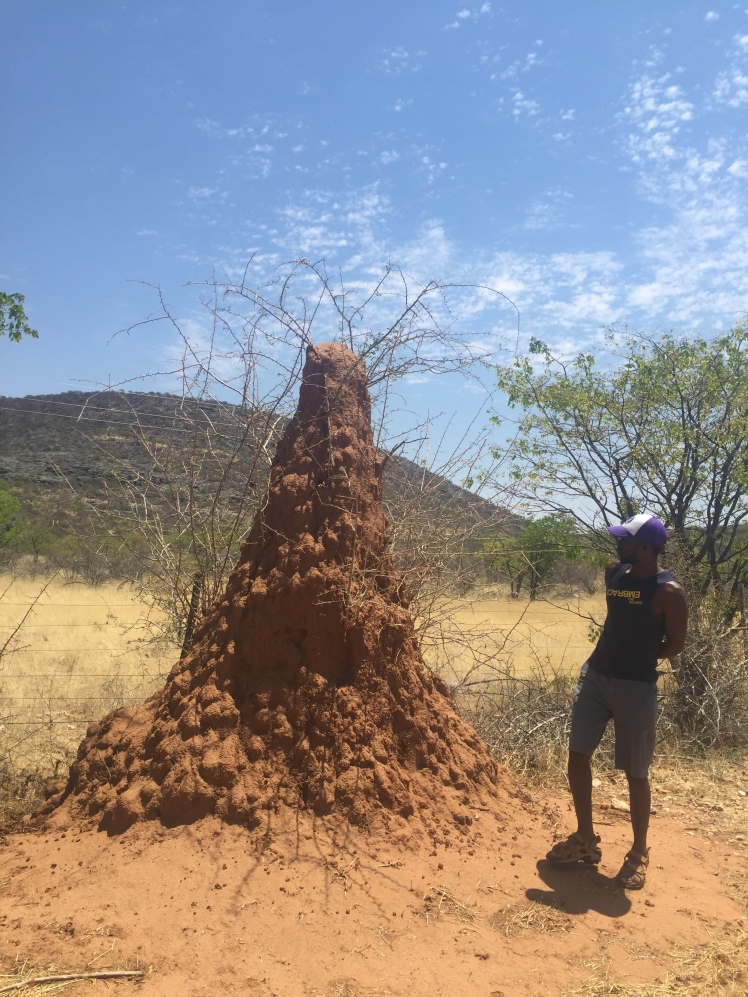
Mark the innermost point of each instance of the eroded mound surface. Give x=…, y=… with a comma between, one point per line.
x=305, y=685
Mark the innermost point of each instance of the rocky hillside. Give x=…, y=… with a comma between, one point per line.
x=107, y=444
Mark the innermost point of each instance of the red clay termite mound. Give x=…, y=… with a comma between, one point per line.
x=305, y=687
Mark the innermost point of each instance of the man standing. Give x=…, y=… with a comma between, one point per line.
x=646, y=620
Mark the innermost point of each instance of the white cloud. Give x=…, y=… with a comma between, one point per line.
x=523, y=106
x=531, y=60
x=691, y=160
x=656, y=112
x=711, y=15
x=739, y=168
x=400, y=60
x=388, y=156
x=147, y=231
x=467, y=14
x=546, y=213
x=432, y=168
x=731, y=88
x=731, y=85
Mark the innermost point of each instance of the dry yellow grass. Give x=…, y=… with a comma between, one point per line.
x=719, y=969
x=486, y=635
x=71, y=653
x=82, y=651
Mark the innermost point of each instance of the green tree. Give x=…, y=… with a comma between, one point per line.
x=536, y=551
x=9, y=506
x=663, y=428
x=13, y=318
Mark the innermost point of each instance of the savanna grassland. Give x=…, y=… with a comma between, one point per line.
x=71, y=653
x=75, y=651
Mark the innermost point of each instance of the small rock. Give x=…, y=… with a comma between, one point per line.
x=596, y=783
x=619, y=805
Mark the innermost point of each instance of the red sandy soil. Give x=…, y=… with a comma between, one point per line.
x=306, y=912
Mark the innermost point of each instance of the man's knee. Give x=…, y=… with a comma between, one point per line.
x=578, y=760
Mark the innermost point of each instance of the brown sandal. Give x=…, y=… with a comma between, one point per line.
x=633, y=872
x=575, y=849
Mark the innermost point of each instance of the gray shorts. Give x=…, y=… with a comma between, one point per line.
x=633, y=707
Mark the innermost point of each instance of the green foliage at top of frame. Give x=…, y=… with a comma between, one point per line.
x=13, y=320
x=659, y=425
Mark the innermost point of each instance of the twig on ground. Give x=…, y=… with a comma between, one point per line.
x=37, y=981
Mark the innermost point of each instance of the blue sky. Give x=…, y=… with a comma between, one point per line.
x=588, y=159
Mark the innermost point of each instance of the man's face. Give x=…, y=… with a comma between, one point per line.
x=627, y=549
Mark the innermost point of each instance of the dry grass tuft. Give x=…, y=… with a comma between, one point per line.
x=345, y=988
x=439, y=901
x=15, y=980
x=719, y=969
x=530, y=916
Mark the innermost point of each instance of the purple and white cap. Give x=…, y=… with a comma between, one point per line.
x=644, y=527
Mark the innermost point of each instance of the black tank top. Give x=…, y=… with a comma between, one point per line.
x=632, y=634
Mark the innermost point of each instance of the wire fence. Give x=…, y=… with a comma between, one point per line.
x=74, y=653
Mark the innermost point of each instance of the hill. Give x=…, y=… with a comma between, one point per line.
x=121, y=463
x=89, y=439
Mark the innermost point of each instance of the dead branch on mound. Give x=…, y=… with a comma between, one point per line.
x=185, y=485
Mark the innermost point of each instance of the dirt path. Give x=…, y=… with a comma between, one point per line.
x=206, y=909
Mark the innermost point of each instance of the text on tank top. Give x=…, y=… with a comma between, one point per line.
x=632, y=634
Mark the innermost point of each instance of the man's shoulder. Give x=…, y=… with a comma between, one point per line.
x=672, y=585
x=610, y=568
x=672, y=590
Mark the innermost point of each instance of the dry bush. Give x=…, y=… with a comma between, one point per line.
x=524, y=720
x=705, y=702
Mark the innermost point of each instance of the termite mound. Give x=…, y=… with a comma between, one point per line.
x=304, y=687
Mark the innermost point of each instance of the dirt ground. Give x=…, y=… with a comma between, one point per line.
x=303, y=910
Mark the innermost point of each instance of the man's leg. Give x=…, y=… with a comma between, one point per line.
x=580, y=783
x=640, y=801
x=635, y=718
x=588, y=720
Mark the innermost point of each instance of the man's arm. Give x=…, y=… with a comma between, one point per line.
x=675, y=611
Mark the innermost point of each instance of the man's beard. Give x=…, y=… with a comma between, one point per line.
x=630, y=558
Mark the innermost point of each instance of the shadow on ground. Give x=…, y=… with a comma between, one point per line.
x=579, y=889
